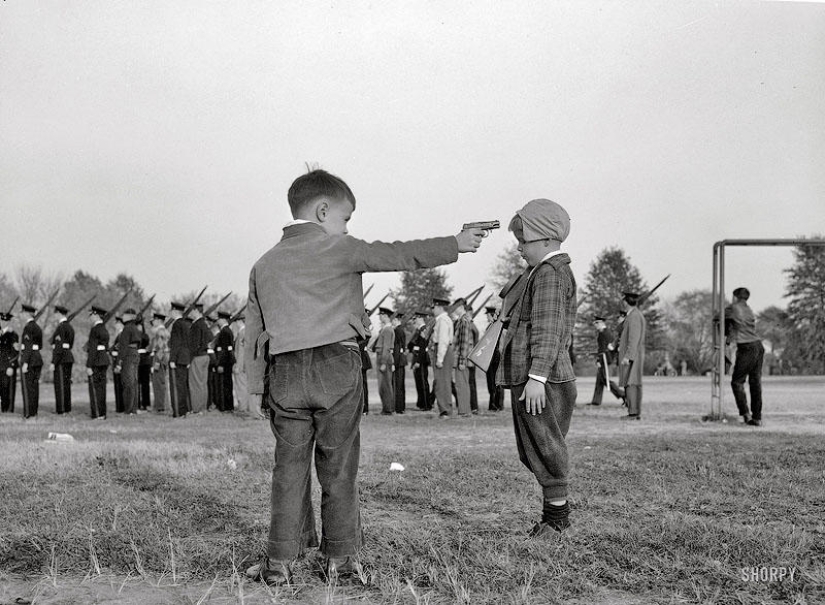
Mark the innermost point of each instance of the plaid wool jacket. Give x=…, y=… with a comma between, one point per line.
x=540, y=329
x=462, y=339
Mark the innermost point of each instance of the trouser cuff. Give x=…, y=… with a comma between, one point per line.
x=554, y=492
x=285, y=550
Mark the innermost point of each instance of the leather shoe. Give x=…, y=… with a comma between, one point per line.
x=271, y=572
x=346, y=569
x=543, y=528
x=754, y=422
x=632, y=417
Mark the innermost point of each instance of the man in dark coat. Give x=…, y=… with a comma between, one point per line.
x=420, y=362
x=179, y=359
x=9, y=343
x=199, y=338
x=399, y=359
x=224, y=359
x=31, y=363
x=62, y=342
x=97, y=361
x=128, y=343
x=605, y=349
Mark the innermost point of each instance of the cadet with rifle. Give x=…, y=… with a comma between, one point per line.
x=9, y=343
x=97, y=362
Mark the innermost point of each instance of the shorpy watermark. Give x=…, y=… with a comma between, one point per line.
x=767, y=574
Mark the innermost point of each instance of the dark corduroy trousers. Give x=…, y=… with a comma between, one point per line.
x=315, y=397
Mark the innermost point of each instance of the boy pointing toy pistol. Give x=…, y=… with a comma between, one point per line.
x=304, y=316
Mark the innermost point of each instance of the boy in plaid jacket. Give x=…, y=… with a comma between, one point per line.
x=540, y=312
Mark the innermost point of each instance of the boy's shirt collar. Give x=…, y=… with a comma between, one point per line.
x=297, y=221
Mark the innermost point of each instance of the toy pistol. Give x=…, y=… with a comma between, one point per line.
x=486, y=225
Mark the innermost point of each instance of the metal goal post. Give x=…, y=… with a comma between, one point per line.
x=717, y=393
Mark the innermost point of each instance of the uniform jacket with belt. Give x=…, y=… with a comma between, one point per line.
x=31, y=341
x=96, y=347
x=62, y=342
x=307, y=290
x=179, y=343
x=225, y=347
x=199, y=338
x=8, y=352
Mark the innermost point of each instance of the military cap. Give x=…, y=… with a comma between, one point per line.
x=95, y=310
x=224, y=315
x=742, y=293
x=631, y=297
x=211, y=318
x=599, y=318
x=119, y=318
x=28, y=308
x=6, y=316
x=198, y=306
x=460, y=301
x=176, y=306
x=61, y=309
x=440, y=302
x=159, y=316
x=385, y=311
x=422, y=313
x=130, y=311
x=491, y=309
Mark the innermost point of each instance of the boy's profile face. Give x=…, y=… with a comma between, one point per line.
x=532, y=252
x=334, y=214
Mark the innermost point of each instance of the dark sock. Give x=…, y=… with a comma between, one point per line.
x=552, y=512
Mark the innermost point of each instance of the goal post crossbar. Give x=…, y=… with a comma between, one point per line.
x=717, y=396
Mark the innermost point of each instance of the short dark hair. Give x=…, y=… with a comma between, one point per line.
x=315, y=184
x=742, y=293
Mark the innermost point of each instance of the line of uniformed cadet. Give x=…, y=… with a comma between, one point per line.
x=453, y=377
x=191, y=361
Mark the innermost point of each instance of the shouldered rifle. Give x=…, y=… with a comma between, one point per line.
x=145, y=308
x=77, y=311
x=192, y=304
x=486, y=225
x=647, y=295
x=378, y=304
x=114, y=309
x=368, y=291
x=481, y=306
x=46, y=305
x=217, y=304
x=237, y=314
x=11, y=308
x=474, y=296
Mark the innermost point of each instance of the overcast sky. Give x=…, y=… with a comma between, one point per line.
x=160, y=138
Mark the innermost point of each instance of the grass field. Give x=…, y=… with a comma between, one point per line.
x=151, y=510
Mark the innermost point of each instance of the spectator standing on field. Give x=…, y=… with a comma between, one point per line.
x=750, y=354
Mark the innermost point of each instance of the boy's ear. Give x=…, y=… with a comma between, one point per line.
x=321, y=210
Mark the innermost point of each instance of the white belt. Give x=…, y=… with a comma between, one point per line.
x=210, y=351
x=220, y=348
x=101, y=348
x=35, y=347
x=228, y=348
x=416, y=348
x=141, y=350
x=66, y=345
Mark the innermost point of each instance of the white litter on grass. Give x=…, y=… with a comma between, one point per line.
x=232, y=464
x=587, y=447
x=396, y=467
x=59, y=437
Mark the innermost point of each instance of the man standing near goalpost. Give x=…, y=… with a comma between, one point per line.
x=749, y=356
